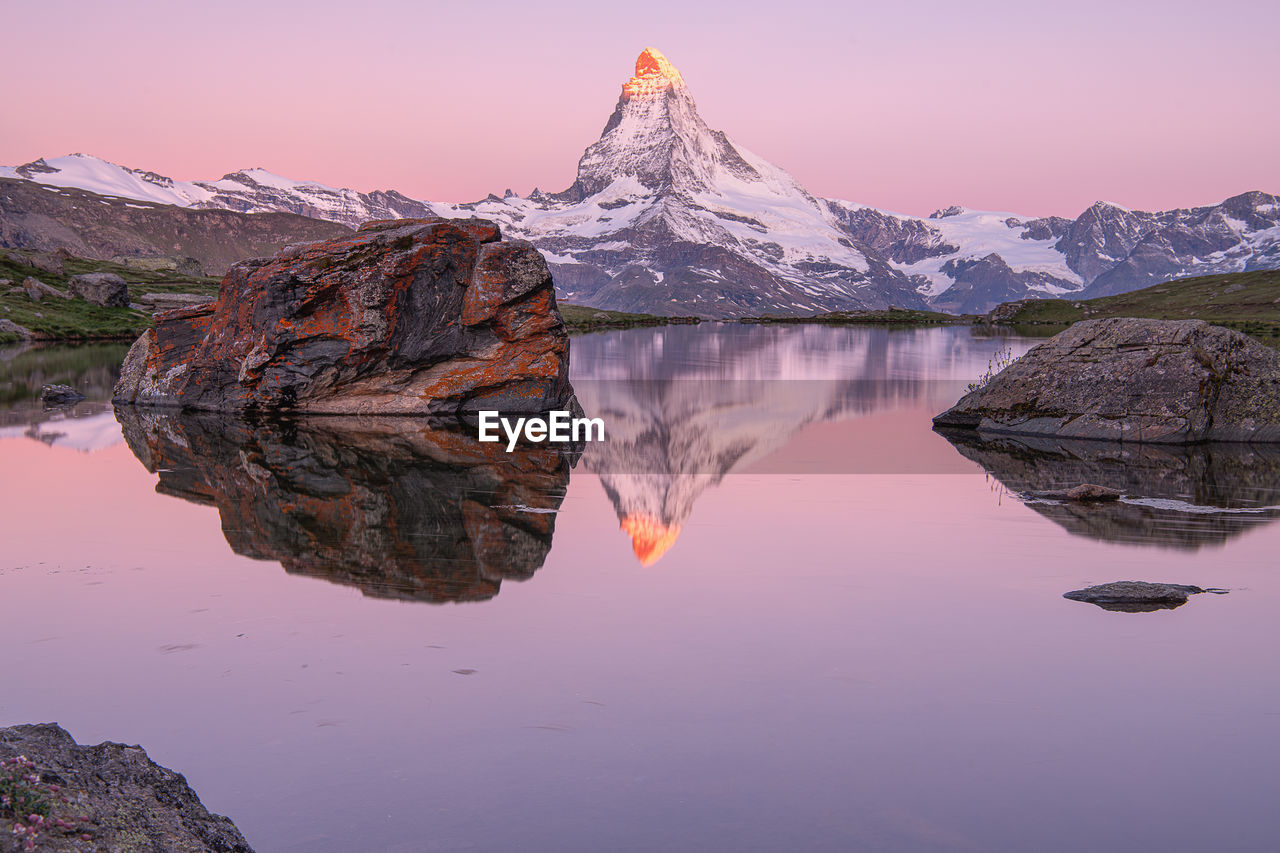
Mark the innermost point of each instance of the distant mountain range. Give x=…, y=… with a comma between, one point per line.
x=670, y=216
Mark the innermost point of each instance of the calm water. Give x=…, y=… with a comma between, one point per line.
x=774, y=612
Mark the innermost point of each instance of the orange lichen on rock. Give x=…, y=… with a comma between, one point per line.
x=419, y=316
x=650, y=537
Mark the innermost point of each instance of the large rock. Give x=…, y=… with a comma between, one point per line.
x=1121, y=379
x=404, y=317
x=99, y=798
x=105, y=289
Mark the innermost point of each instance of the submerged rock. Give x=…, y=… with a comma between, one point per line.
x=1085, y=493
x=104, y=289
x=1137, y=596
x=105, y=797
x=422, y=316
x=1123, y=379
x=59, y=395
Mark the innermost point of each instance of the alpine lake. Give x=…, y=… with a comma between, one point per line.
x=773, y=610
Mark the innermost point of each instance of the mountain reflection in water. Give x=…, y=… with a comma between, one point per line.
x=1175, y=496
x=684, y=408
x=393, y=506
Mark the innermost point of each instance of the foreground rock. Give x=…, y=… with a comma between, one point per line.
x=1121, y=379
x=398, y=507
x=108, y=797
x=1137, y=596
x=404, y=317
x=59, y=395
x=104, y=289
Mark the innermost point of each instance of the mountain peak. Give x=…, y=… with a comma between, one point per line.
x=654, y=75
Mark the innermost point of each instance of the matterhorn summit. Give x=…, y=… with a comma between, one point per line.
x=670, y=216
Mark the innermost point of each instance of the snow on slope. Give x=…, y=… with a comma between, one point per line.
x=84, y=172
x=979, y=233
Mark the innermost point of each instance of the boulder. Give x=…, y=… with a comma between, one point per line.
x=37, y=290
x=59, y=395
x=1137, y=596
x=105, y=797
x=9, y=327
x=409, y=317
x=1132, y=380
x=101, y=288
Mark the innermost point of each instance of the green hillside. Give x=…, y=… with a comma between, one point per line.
x=1246, y=301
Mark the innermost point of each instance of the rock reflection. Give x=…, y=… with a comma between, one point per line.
x=395, y=507
x=1174, y=496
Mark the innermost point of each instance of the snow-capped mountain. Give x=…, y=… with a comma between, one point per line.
x=670, y=216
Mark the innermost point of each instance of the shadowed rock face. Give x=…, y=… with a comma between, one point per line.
x=1123, y=379
x=1173, y=496
x=408, y=317
x=392, y=506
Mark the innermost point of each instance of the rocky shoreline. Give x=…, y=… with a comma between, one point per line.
x=61, y=796
x=1133, y=380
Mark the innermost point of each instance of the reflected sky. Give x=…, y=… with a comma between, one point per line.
x=870, y=659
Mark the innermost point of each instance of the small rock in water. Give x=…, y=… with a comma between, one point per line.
x=1085, y=492
x=1137, y=596
x=59, y=395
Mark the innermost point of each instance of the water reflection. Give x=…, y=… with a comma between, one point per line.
x=91, y=369
x=685, y=406
x=396, y=507
x=1175, y=497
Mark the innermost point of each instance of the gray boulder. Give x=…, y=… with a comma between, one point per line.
x=37, y=290
x=1137, y=596
x=101, y=288
x=105, y=797
x=1124, y=379
x=11, y=328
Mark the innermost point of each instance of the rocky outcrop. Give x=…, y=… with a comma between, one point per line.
x=1146, y=381
x=104, y=289
x=37, y=290
x=393, y=506
x=1137, y=596
x=97, y=798
x=406, y=317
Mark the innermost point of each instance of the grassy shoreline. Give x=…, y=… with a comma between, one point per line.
x=1248, y=302
x=54, y=319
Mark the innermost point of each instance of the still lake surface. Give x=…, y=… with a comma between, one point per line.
x=775, y=611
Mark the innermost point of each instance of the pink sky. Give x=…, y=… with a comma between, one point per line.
x=1010, y=106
